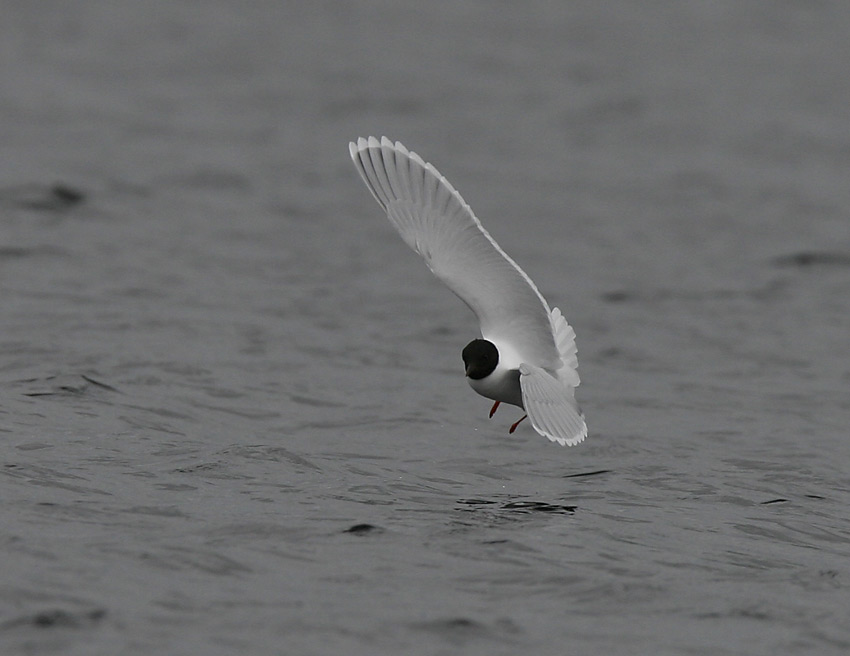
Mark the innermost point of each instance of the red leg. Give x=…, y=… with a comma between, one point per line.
x=513, y=428
x=493, y=409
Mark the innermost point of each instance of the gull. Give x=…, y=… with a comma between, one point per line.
x=526, y=355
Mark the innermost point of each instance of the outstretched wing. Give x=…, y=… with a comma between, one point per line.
x=551, y=406
x=434, y=220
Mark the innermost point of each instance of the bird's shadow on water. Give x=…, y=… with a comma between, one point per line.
x=65, y=385
x=519, y=505
x=498, y=509
x=525, y=505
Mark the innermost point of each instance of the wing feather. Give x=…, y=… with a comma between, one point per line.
x=551, y=406
x=436, y=222
x=565, y=341
x=364, y=165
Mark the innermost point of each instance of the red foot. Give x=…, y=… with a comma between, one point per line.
x=513, y=428
x=493, y=409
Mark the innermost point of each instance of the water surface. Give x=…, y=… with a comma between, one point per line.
x=233, y=412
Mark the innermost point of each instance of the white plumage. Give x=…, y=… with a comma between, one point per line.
x=537, y=363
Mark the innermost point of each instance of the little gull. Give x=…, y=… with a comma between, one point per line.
x=526, y=355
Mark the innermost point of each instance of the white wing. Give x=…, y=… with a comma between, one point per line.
x=565, y=340
x=551, y=406
x=434, y=220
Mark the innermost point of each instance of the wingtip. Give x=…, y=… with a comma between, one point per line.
x=575, y=440
x=558, y=436
x=363, y=143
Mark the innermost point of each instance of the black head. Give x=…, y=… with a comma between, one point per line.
x=480, y=358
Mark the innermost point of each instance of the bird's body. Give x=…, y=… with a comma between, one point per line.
x=526, y=355
x=493, y=371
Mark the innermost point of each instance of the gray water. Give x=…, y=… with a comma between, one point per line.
x=233, y=416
